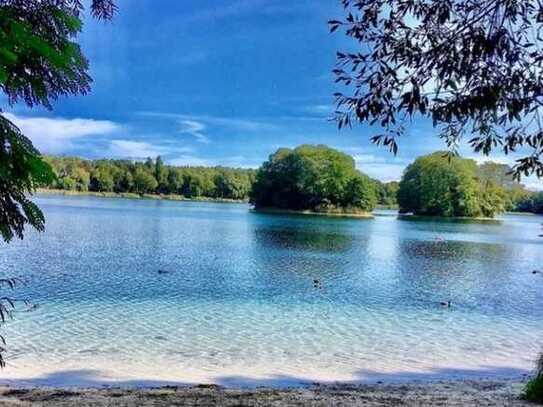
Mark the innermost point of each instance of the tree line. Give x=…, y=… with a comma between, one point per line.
x=154, y=177
x=489, y=187
x=150, y=177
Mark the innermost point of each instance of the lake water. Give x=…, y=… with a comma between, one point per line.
x=239, y=306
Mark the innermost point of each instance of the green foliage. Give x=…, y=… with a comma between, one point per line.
x=315, y=178
x=473, y=67
x=161, y=174
x=534, y=390
x=7, y=306
x=101, y=179
x=127, y=176
x=387, y=193
x=38, y=59
x=437, y=185
x=144, y=182
x=515, y=196
x=531, y=203
x=39, y=62
x=21, y=171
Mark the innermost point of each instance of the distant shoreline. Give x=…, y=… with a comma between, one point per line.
x=131, y=195
x=181, y=198
x=361, y=215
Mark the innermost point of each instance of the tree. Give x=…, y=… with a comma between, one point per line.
x=193, y=184
x=435, y=186
x=387, y=193
x=175, y=181
x=82, y=179
x=360, y=193
x=104, y=175
x=471, y=66
x=161, y=175
x=21, y=170
x=316, y=178
x=231, y=184
x=39, y=61
x=532, y=203
x=500, y=175
x=144, y=182
x=102, y=179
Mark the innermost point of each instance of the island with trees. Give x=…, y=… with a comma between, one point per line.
x=439, y=185
x=449, y=186
x=313, y=179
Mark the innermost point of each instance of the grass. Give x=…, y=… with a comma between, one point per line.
x=131, y=195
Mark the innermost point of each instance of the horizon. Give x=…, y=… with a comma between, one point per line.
x=234, y=82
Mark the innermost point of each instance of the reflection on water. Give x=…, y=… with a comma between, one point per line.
x=309, y=297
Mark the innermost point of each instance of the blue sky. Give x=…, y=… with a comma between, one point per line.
x=213, y=82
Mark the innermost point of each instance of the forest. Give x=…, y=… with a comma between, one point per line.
x=150, y=177
x=153, y=177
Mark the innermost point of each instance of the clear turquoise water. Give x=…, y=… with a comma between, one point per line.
x=239, y=305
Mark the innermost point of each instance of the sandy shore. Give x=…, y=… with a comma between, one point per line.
x=443, y=393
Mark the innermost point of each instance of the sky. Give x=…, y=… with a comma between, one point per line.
x=214, y=82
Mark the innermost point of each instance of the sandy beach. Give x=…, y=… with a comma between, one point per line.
x=443, y=393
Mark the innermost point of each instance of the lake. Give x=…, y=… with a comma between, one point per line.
x=237, y=302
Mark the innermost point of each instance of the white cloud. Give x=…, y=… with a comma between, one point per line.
x=367, y=158
x=188, y=160
x=533, y=183
x=133, y=149
x=383, y=172
x=495, y=158
x=195, y=129
x=320, y=109
x=237, y=161
x=139, y=150
x=204, y=121
x=55, y=135
x=380, y=168
x=238, y=123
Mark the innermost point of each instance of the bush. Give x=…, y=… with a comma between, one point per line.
x=534, y=389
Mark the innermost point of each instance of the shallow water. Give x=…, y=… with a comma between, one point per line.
x=238, y=304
